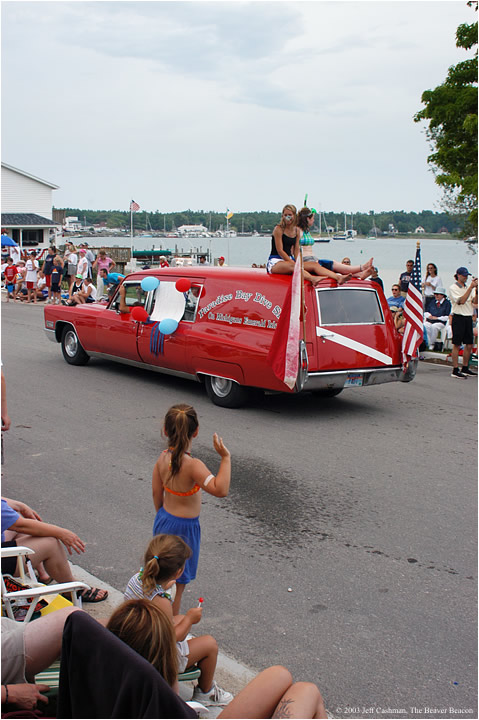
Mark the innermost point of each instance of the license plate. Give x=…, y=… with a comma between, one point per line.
x=354, y=380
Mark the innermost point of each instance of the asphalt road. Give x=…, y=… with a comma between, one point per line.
x=346, y=549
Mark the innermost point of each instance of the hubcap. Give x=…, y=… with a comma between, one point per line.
x=71, y=343
x=221, y=387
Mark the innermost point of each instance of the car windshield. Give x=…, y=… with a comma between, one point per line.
x=349, y=306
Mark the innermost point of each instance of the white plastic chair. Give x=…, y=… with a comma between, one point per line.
x=36, y=589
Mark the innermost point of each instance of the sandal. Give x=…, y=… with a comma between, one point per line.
x=91, y=595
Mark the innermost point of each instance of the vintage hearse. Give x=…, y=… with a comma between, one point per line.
x=225, y=323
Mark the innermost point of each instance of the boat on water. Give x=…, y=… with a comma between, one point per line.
x=320, y=238
x=349, y=233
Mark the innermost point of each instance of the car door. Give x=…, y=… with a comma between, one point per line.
x=117, y=333
x=352, y=331
x=171, y=350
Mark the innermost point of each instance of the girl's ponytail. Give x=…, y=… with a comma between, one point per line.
x=165, y=555
x=181, y=421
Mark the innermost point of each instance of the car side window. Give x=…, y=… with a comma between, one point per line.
x=135, y=296
x=192, y=298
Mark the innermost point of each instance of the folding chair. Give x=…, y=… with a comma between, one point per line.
x=35, y=590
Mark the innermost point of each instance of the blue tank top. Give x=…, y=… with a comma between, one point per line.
x=288, y=245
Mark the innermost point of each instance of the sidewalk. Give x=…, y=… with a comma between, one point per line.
x=230, y=674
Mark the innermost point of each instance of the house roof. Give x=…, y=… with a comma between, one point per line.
x=12, y=220
x=29, y=175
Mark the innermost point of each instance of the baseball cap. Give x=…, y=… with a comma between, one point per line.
x=79, y=275
x=82, y=251
x=462, y=271
x=221, y=258
x=441, y=290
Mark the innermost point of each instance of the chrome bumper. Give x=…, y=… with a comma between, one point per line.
x=50, y=333
x=338, y=379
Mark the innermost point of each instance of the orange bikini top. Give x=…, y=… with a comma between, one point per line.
x=194, y=490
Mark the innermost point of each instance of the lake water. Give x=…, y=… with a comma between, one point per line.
x=390, y=254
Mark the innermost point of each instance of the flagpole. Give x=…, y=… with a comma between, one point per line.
x=131, y=232
x=303, y=313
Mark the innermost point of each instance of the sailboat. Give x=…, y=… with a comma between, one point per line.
x=319, y=238
x=341, y=235
x=347, y=234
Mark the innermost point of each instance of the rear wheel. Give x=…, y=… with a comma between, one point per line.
x=72, y=350
x=226, y=393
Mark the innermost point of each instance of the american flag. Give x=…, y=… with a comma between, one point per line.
x=413, y=313
x=134, y=206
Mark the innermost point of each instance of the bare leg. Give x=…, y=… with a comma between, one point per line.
x=272, y=695
x=204, y=653
x=51, y=552
x=317, y=269
x=261, y=696
x=344, y=269
x=455, y=356
x=283, y=267
x=177, y=601
x=466, y=355
x=43, y=640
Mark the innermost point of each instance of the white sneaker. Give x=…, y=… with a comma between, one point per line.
x=216, y=696
x=47, y=301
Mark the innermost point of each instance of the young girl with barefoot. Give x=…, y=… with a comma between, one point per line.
x=178, y=479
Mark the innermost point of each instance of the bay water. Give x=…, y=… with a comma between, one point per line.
x=390, y=253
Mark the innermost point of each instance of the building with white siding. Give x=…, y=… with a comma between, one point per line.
x=27, y=208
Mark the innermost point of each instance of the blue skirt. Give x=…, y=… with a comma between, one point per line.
x=188, y=529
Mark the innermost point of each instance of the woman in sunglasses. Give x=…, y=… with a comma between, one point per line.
x=339, y=270
x=285, y=246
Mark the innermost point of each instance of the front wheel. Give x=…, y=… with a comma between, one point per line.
x=225, y=393
x=72, y=350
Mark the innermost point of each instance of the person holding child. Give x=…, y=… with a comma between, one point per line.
x=178, y=479
x=163, y=564
x=271, y=694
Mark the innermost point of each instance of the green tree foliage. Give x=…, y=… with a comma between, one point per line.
x=451, y=109
x=264, y=221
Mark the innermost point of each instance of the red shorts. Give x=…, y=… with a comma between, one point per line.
x=30, y=285
x=48, y=280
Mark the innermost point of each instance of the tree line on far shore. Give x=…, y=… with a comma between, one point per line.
x=382, y=223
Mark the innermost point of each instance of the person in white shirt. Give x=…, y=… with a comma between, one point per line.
x=463, y=300
x=32, y=268
x=82, y=267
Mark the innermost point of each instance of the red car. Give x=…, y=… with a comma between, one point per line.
x=217, y=324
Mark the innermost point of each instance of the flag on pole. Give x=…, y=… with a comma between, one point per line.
x=413, y=313
x=229, y=214
x=134, y=206
x=284, y=351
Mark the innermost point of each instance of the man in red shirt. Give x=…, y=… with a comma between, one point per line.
x=10, y=271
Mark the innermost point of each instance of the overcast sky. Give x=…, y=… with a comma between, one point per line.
x=209, y=105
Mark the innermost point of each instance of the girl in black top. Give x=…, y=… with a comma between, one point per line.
x=285, y=246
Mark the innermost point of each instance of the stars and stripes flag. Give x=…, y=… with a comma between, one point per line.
x=134, y=206
x=284, y=351
x=413, y=313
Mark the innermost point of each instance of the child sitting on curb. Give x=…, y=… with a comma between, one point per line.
x=164, y=562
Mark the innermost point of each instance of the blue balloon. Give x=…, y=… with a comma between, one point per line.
x=149, y=283
x=168, y=326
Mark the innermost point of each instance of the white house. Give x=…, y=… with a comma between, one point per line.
x=193, y=230
x=27, y=208
x=419, y=230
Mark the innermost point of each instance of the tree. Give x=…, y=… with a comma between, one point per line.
x=451, y=109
